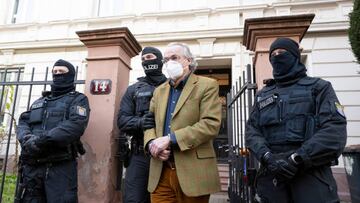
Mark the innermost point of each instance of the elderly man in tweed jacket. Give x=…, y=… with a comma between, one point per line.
x=187, y=116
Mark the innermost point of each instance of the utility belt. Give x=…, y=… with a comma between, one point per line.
x=55, y=156
x=137, y=149
x=137, y=146
x=28, y=160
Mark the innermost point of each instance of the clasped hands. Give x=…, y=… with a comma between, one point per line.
x=160, y=148
x=32, y=144
x=281, y=165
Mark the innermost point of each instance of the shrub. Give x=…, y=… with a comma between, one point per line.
x=9, y=188
x=354, y=30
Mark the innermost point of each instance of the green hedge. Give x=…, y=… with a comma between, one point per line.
x=354, y=30
x=9, y=188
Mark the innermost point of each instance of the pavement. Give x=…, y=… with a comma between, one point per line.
x=220, y=197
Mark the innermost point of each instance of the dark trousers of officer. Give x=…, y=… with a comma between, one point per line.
x=136, y=179
x=50, y=182
x=312, y=186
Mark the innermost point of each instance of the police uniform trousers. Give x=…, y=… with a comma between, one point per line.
x=50, y=182
x=168, y=189
x=311, y=186
x=136, y=179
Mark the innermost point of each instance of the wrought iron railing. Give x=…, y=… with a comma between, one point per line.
x=9, y=104
x=241, y=164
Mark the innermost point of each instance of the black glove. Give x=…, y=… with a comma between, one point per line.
x=282, y=167
x=25, y=138
x=33, y=145
x=147, y=121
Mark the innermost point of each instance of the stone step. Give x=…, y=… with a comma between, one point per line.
x=220, y=197
x=224, y=176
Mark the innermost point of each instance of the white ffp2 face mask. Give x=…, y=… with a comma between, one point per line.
x=174, y=69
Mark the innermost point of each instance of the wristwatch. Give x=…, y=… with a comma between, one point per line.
x=265, y=158
x=296, y=158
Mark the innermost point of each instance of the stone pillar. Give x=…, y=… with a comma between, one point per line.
x=259, y=33
x=109, y=54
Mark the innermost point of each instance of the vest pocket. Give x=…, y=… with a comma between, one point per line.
x=300, y=105
x=54, y=118
x=270, y=113
x=143, y=103
x=36, y=115
x=296, y=128
x=298, y=111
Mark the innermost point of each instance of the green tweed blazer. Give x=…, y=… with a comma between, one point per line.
x=195, y=122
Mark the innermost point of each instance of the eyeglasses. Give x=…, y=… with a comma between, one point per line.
x=277, y=52
x=172, y=58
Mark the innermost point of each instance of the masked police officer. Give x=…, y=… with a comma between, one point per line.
x=49, y=134
x=297, y=130
x=134, y=118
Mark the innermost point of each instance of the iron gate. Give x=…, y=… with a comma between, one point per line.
x=10, y=100
x=242, y=166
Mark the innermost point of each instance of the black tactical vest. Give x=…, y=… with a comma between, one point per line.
x=288, y=115
x=142, y=97
x=45, y=114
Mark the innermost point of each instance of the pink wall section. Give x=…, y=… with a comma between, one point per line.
x=109, y=54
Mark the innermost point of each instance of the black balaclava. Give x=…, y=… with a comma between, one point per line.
x=287, y=67
x=153, y=68
x=63, y=83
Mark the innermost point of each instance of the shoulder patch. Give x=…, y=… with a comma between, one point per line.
x=81, y=111
x=340, y=109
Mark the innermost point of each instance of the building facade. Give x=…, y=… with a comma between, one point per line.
x=35, y=33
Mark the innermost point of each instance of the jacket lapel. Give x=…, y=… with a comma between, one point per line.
x=162, y=105
x=189, y=86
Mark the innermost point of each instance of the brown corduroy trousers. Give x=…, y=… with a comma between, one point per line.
x=169, y=191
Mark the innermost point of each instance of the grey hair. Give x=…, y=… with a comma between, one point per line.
x=187, y=53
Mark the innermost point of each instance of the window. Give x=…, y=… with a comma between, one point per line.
x=110, y=7
x=15, y=11
x=23, y=11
